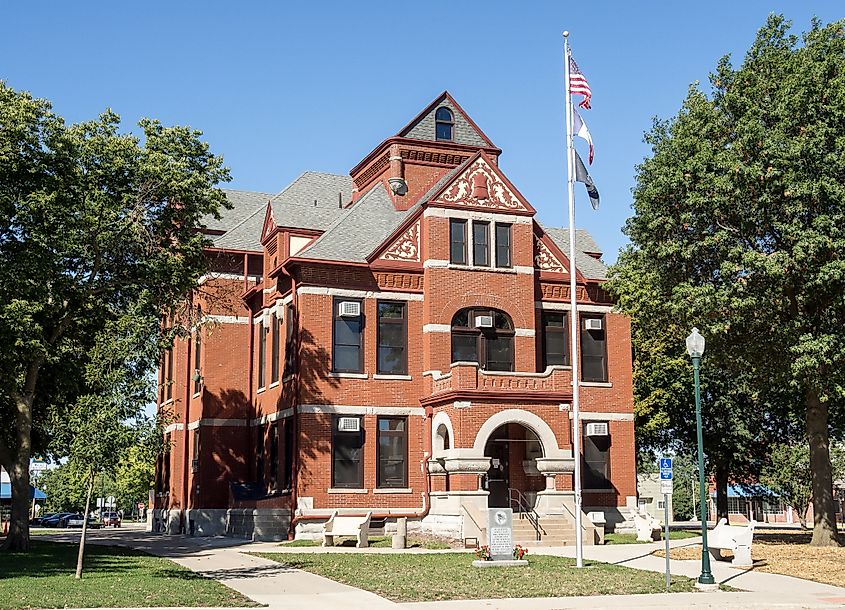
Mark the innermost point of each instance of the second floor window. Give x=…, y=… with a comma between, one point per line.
x=503, y=245
x=168, y=382
x=290, y=347
x=481, y=243
x=555, y=339
x=484, y=336
x=275, y=349
x=392, y=338
x=593, y=348
x=458, y=241
x=347, y=336
x=197, y=361
x=262, y=353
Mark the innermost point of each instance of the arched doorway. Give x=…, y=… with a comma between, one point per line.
x=513, y=449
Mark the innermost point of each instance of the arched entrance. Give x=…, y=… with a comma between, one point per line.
x=513, y=449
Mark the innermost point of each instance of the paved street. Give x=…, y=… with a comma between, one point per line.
x=281, y=588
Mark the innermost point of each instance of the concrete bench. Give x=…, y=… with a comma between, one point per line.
x=648, y=527
x=735, y=538
x=347, y=526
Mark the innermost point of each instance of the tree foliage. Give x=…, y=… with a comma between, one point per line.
x=739, y=228
x=97, y=238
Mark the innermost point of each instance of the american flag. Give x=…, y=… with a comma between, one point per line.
x=578, y=84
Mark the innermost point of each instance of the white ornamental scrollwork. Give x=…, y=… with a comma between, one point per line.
x=407, y=247
x=544, y=260
x=498, y=193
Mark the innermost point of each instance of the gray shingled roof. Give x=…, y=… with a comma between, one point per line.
x=584, y=242
x=463, y=132
x=246, y=235
x=311, y=201
x=244, y=203
x=360, y=231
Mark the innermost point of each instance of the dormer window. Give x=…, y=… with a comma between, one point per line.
x=443, y=123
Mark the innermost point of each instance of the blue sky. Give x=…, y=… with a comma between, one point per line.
x=281, y=87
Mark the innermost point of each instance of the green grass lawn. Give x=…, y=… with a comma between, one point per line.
x=443, y=576
x=632, y=538
x=113, y=576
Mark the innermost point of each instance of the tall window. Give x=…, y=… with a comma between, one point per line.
x=197, y=360
x=347, y=339
x=274, y=455
x=259, y=455
x=165, y=460
x=597, y=462
x=274, y=349
x=481, y=243
x=458, y=241
x=392, y=338
x=262, y=354
x=290, y=348
x=195, y=461
x=503, y=245
x=168, y=392
x=444, y=122
x=287, y=473
x=593, y=348
x=484, y=336
x=555, y=339
x=392, y=452
x=347, y=457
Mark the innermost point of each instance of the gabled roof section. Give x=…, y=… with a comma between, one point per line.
x=465, y=131
x=361, y=230
x=480, y=184
x=313, y=201
x=244, y=203
x=586, y=265
x=244, y=236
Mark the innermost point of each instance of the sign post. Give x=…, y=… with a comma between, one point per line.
x=666, y=490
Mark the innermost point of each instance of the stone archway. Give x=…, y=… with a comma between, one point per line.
x=533, y=422
x=513, y=479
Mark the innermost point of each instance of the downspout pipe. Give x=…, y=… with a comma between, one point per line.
x=183, y=518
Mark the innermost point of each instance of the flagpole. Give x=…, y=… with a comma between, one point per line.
x=573, y=318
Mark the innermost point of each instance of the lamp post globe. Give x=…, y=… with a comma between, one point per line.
x=695, y=348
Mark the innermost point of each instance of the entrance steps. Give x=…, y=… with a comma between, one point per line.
x=554, y=531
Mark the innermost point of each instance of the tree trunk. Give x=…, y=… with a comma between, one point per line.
x=18, y=538
x=721, y=492
x=824, y=513
x=81, y=554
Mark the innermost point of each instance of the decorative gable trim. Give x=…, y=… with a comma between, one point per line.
x=407, y=247
x=269, y=223
x=482, y=185
x=544, y=258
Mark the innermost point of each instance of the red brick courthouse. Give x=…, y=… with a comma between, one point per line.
x=394, y=341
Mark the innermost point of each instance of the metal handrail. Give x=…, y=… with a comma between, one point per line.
x=516, y=498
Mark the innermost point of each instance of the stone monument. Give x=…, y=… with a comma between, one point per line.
x=500, y=540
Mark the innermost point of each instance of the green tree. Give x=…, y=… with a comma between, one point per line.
x=684, y=488
x=739, y=226
x=93, y=223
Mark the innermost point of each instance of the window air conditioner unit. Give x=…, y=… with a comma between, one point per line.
x=349, y=309
x=265, y=318
x=597, y=429
x=348, y=424
x=592, y=324
x=484, y=321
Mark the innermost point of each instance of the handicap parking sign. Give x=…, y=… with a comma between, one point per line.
x=665, y=475
x=665, y=463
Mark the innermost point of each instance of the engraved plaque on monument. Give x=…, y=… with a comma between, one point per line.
x=500, y=533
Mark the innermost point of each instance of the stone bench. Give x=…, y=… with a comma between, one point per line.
x=648, y=527
x=735, y=538
x=347, y=526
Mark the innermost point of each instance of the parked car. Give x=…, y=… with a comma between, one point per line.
x=111, y=519
x=39, y=520
x=77, y=521
x=57, y=520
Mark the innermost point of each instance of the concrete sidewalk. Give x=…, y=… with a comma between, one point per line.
x=282, y=588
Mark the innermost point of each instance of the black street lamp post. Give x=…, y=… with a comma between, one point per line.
x=695, y=348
